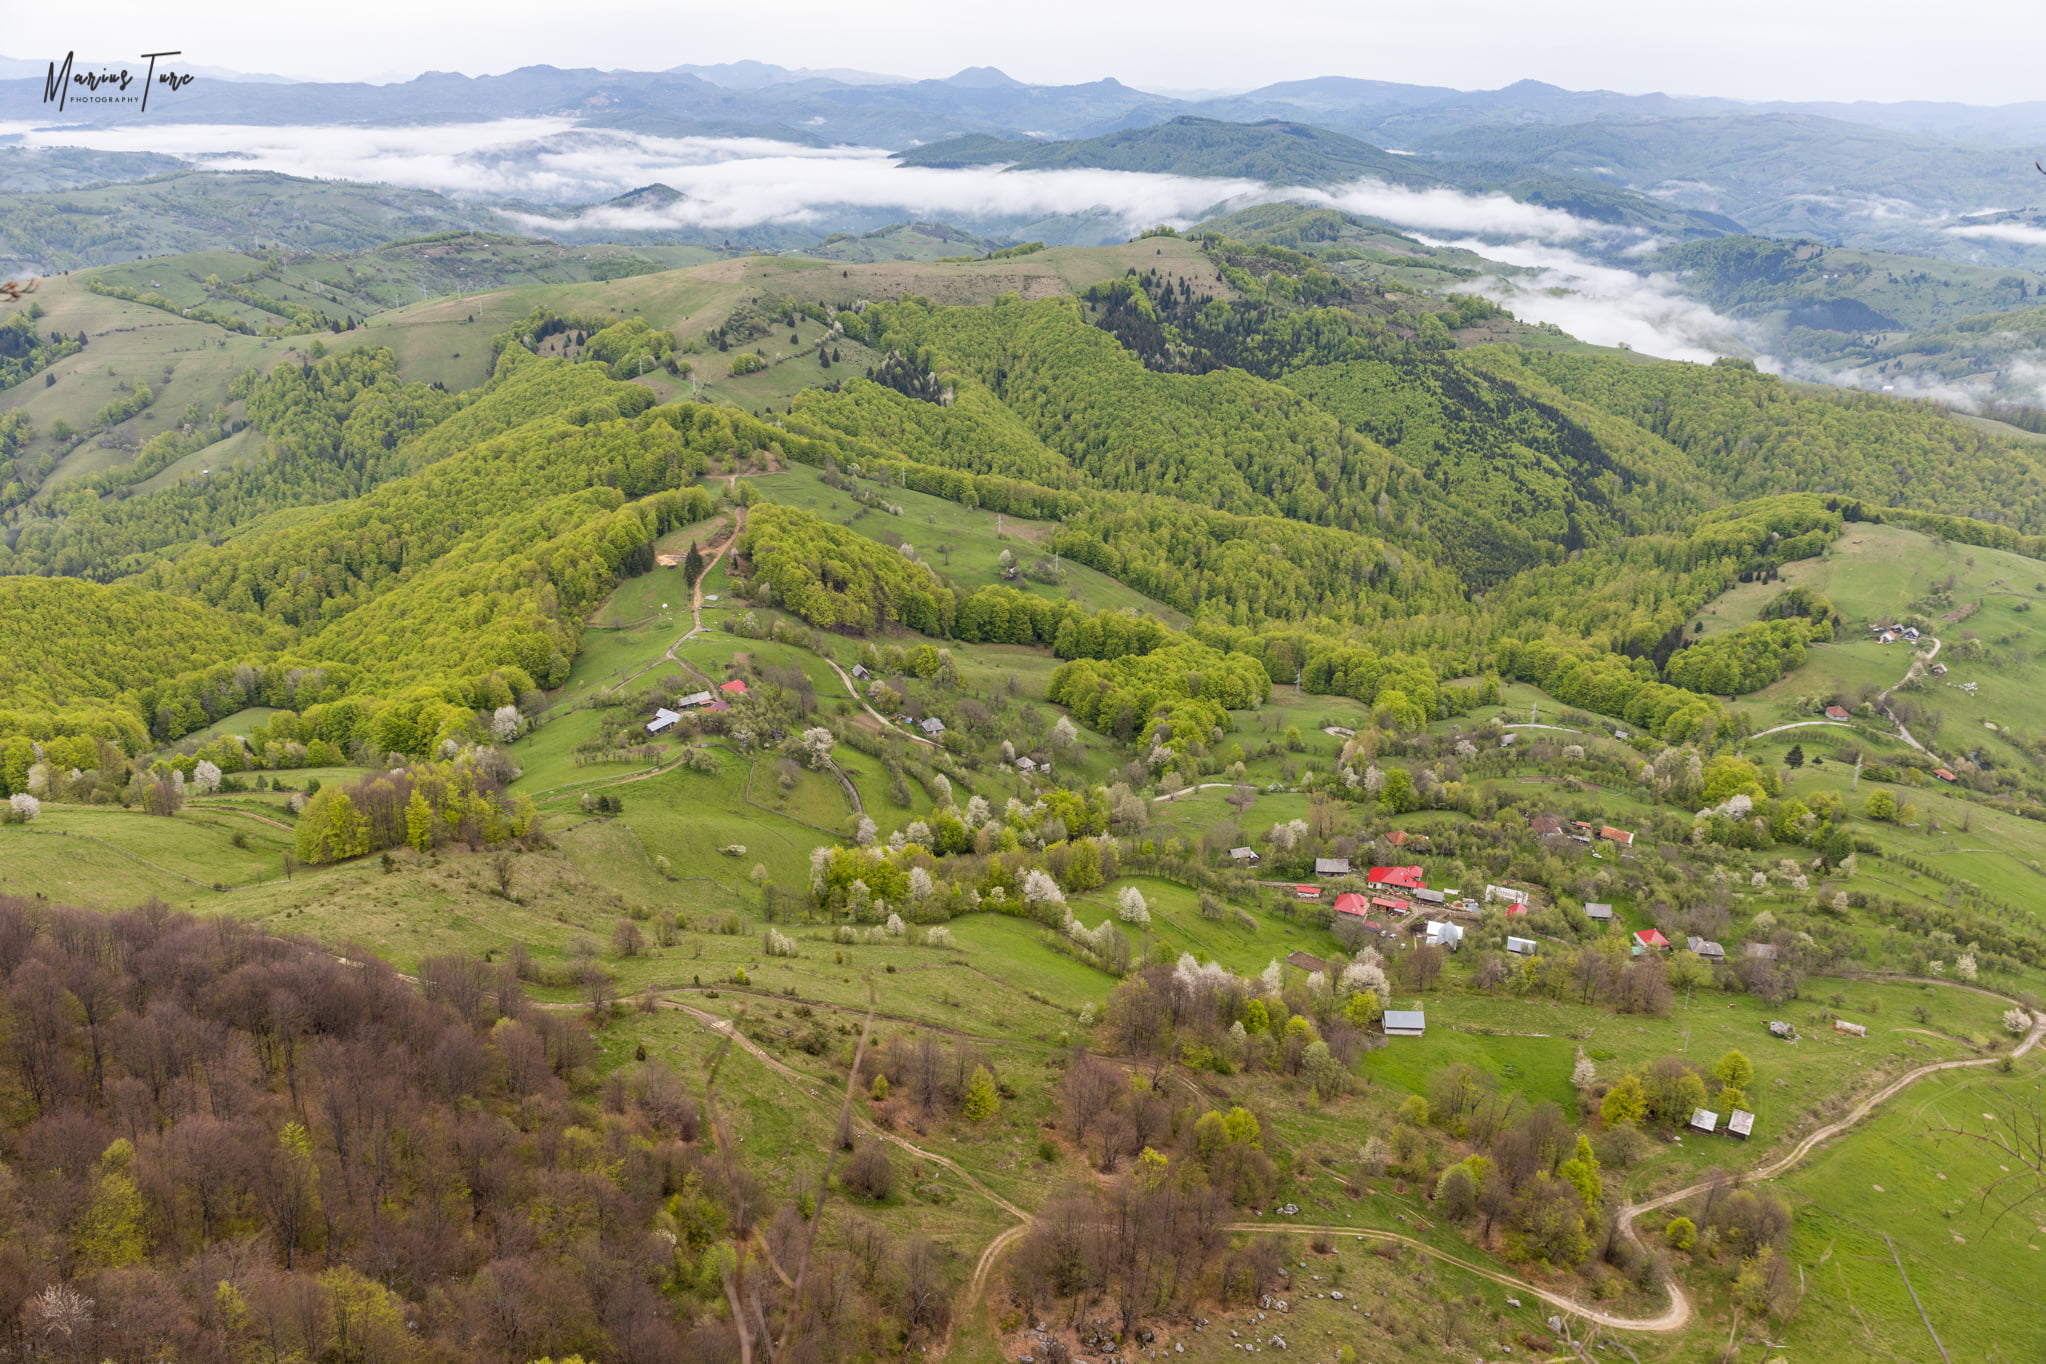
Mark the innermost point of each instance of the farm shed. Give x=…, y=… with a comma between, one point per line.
x=1741, y=1125
x=1703, y=1120
x=1599, y=913
x=1405, y=1023
x=1331, y=866
x=664, y=719
x=1841, y=1025
x=1520, y=947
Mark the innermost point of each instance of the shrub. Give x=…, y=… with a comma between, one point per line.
x=1681, y=1233
x=869, y=1174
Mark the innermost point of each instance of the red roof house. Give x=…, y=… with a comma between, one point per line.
x=1350, y=902
x=1394, y=878
x=1837, y=713
x=1398, y=838
x=1513, y=908
x=735, y=687
x=1649, y=937
x=1388, y=903
x=1619, y=836
x=1307, y=892
x=1943, y=774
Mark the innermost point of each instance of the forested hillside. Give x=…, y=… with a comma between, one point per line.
x=1749, y=434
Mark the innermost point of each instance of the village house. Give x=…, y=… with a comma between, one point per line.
x=1619, y=836
x=1394, y=878
x=695, y=699
x=1390, y=905
x=1024, y=764
x=860, y=673
x=1943, y=774
x=1599, y=913
x=1309, y=893
x=1331, y=866
x=931, y=725
x=1705, y=948
x=1837, y=713
x=1247, y=856
x=1546, y=826
x=1650, y=937
x=1350, y=902
x=733, y=688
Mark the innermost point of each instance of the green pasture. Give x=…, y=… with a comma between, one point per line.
x=1531, y=1045
x=932, y=524
x=1976, y=1275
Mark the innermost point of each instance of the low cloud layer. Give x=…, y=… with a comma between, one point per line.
x=735, y=183
x=2021, y=233
x=1608, y=306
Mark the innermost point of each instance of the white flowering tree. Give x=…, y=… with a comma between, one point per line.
x=205, y=777
x=1366, y=972
x=1130, y=907
x=864, y=835
x=2016, y=1022
x=816, y=745
x=23, y=807
x=505, y=723
x=978, y=812
x=919, y=884
x=1040, y=889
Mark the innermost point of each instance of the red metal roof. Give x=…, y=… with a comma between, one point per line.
x=1649, y=937
x=1615, y=835
x=735, y=686
x=1385, y=902
x=1407, y=878
x=1349, y=902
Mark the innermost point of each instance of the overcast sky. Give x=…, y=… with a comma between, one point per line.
x=1976, y=51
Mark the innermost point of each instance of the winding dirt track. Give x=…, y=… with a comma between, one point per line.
x=886, y=723
x=1673, y=1317
x=1860, y=1110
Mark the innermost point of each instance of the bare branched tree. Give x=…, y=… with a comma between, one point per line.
x=754, y=1269
x=2018, y=1134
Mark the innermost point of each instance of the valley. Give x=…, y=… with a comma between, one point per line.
x=875, y=791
